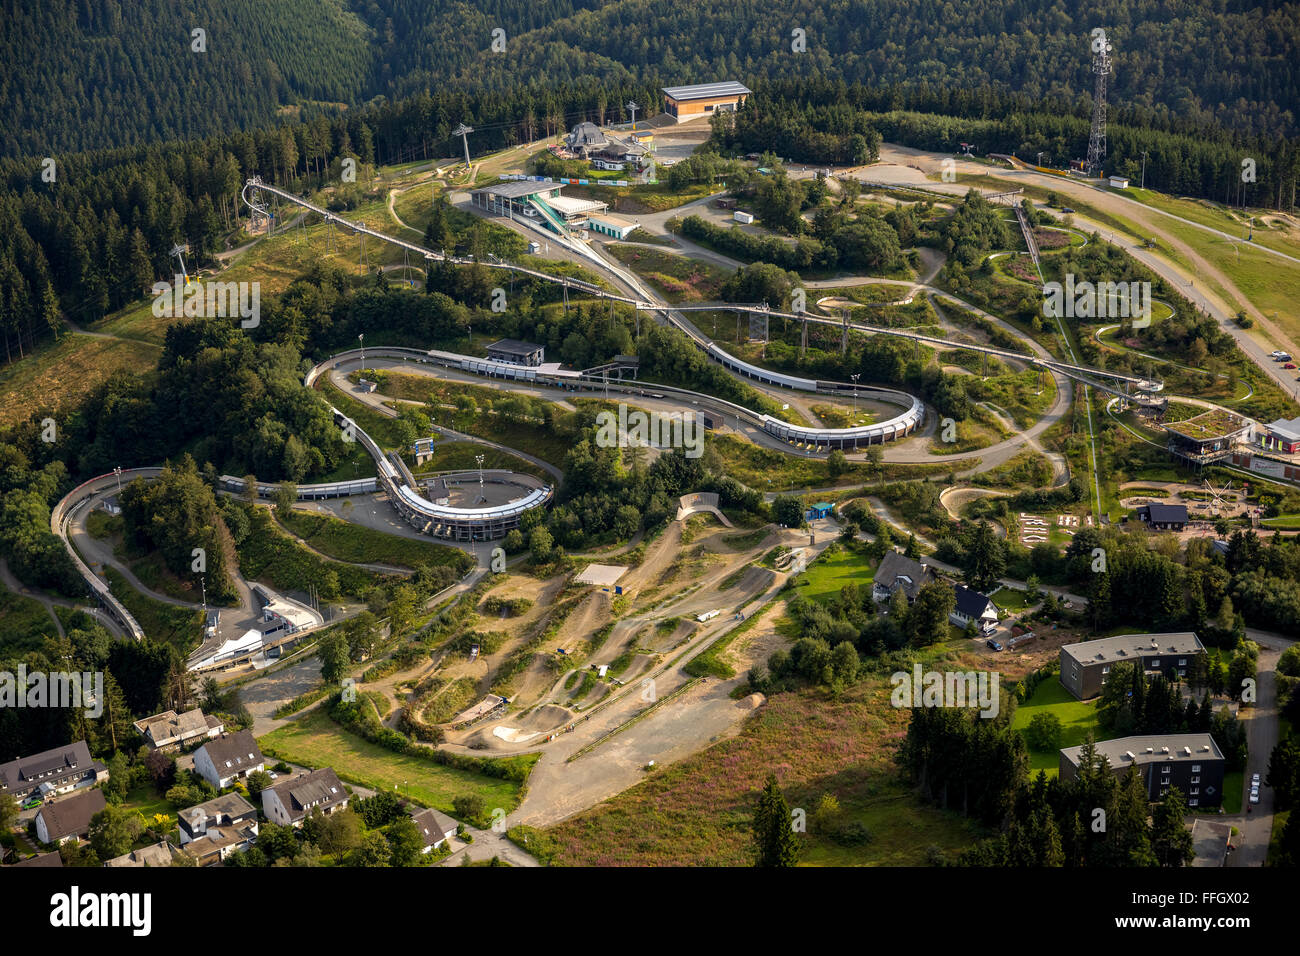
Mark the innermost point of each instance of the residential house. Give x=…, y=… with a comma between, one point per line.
x=899, y=572
x=228, y=758
x=157, y=854
x=68, y=819
x=219, y=842
x=228, y=810
x=171, y=731
x=51, y=772
x=43, y=860
x=973, y=606
x=289, y=802
x=435, y=828
x=1191, y=762
x=1086, y=665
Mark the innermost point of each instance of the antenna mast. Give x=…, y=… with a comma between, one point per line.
x=1100, y=69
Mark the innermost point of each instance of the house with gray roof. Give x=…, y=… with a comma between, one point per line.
x=51, y=772
x=228, y=758
x=170, y=730
x=157, y=854
x=585, y=139
x=899, y=572
x=227, y=810
x=289, y=802
x=68, y=819
x=435, y=828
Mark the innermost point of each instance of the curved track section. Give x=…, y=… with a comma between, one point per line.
x=61, y=515
x=895, y=428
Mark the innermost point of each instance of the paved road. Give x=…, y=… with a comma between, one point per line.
x=909, y=166
x=1256, y=827
x=487, y=844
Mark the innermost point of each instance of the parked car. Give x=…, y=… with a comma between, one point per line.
x=1289, y=365
x=1254, y=782
x=992, y=645
x=1067, y=209
x=1254, y=795
x=32, y=804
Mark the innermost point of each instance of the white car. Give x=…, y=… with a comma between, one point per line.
x=1254, y=782
x=1254, y=795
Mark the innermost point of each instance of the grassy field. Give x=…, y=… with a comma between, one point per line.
x=528, y=438
x=268, y=554
x=179, y=626
x=145, y=801
x=316, y=741
x=460, y=456
x=1077, y=718
x=638, y=199
x=379, y=427
x=351, y=542
x=1010, y=599
x=24, y=623
x=755, y=466
x=1234, y=782
x=58, y=375
x=830, y=572
x=1218, y=217
x=679, y=279
x=698, y=811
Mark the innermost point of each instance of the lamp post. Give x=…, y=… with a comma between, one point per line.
x=1144, y=169
x=361, y=337
x=855, y=394
x=479, y=460
x=118, y=471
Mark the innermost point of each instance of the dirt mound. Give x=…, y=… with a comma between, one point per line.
x=755, y=580
x=515, y=730
x=662, y=640
x=640, y=664
x=544, y=718
x=752, y=702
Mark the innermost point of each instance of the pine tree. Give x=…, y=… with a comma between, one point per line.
x=1171, y=840
x=774, y=838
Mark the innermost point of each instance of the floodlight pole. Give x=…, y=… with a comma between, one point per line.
x=632, y=108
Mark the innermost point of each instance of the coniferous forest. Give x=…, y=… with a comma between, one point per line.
x=1231, y=63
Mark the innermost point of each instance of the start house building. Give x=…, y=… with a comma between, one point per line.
x=1086, y=666
x=1191, y=762
x=685, y=103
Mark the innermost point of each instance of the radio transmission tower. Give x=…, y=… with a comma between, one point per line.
x=1100, y=70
